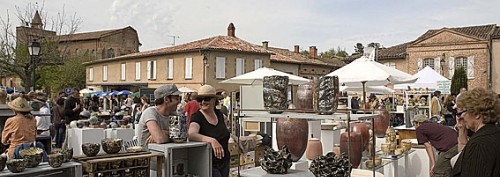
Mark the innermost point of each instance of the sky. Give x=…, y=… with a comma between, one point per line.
x=325, y=24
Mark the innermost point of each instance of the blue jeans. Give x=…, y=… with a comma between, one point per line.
x=60, y=133
x=220, y=170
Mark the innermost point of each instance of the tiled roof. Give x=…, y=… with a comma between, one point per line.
x=287, y=56
x=397, y=51
x=481, y=32
x=496, y=34
x=226, y=43
x=88, y=35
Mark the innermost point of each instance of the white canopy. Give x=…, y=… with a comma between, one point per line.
x=427, y=78
x=186, y=90
x=85, y=91
x=369, y=89
x=256, y=77
x=371, y=72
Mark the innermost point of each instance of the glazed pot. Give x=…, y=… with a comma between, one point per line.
x=91, y=149
x=305, y=96
x=112, y=145
x=292, y=133
x=32, y=160
x=362, y=129
x=276, y=162
x=327, y=89
x=3, y=161
x=56, y=160
x=356, y=147
x=275, y=93
x=16, y=165
x=314, y=148
x=382, y=123
x=67, y=153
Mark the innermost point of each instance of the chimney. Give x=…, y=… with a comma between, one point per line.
x=296, y=49
x=313, y=52
x=231, y=30
x=265, y=44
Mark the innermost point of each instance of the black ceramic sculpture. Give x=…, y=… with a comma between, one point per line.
x=331, y=166
x=276, y=162
x=327, y=88
x=275, y=90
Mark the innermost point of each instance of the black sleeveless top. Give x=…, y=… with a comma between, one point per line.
x=219, y=132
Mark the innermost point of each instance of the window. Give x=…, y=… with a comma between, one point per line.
x=240, y=66
x=461, y=62
x=111, y=53
x=122, y=74
x=220, y=67
x=151, y=70
x=257, y=64
x=170, y=65
x=91, y=74
x=390, y=64
x=137, y=70
x=428, y=62
x=189, y=68
x=105, y=73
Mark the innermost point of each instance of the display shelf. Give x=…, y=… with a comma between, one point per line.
x=44, y=169
x=195, y=157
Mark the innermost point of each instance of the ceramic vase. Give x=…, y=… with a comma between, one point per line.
x=356, y=147
x=292, y=133
x=381, y=123
x=305, y=96
x=327, y=89
x=275, y=93
x=314, y=148
x=364, y=130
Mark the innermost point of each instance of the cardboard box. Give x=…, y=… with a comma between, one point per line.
x=233, y=148
x=247, y=158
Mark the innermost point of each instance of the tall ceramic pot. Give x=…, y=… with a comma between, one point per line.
x=381, y=123
x=314, y=148
x=362, y=129
x=275, y=92
x=293, y=133
x=305, y=96
x=327, y=89
x=356, y=147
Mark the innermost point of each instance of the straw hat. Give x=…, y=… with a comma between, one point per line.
x=420, y=118
x=208, y=91
x=40, y=97
x=20, y=105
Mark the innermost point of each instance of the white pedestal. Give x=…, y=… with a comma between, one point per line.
x=126, y=134
x=300, y=165
x=78, y=136
x=330, y=138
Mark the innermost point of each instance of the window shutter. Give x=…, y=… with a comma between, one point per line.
x=240, y=66
x=105, y=73
x=437, y=65
x=419, y=64
x=137, y=70
x=170, y=69
x=257, y=64
x=148, y=70
x=154, y=70
x=451, y=67
x=91, y=74
x=122, y=74
x=220, y=69
x=470, y=67
x=189, y=68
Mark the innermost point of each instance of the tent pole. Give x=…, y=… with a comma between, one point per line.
x=364, y=93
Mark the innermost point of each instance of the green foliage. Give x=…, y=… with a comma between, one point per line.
x=334, y=53
x=459, y=80
x=359, y=48
x=70, y=74
x=304, y=52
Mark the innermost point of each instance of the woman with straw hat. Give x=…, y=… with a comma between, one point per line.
x=208, y=125
x=21, y=128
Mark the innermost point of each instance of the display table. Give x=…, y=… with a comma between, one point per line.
x=406, y=133
x=78, y=136
x=72, y=169
x=259, y=172
x=183, y=158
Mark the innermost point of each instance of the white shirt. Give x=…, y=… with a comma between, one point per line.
x=43, y=122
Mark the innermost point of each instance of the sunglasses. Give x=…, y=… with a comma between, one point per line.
x=200, y=99
x=459, y=114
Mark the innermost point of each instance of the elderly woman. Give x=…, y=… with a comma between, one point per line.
x=21, y=128
x=208, y=125
x=478, y=111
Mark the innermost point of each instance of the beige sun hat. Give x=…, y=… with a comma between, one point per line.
x=20, y=105
x=208, y=91
x=420, y=118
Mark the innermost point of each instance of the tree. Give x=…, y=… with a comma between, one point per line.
x=374, y=45
x=359, y=48
x=334, y=53
x=304, y=52
x=459, y=80
x=341, y=53
x=14, y=56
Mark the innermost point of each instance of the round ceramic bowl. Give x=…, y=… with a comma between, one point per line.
x=91, y=149
x=3, y=161
x=68, y=154
x=112, y=145
x=134, y=149
x=32, y=160
x=56, y=160
x=16, y=165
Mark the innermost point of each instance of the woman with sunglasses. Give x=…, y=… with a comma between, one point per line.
x=478, y=110
x=208, y=125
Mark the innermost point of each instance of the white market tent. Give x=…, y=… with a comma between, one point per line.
x=187, y=90
x=427, y=78
x=256, y=77
x=370, y=89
